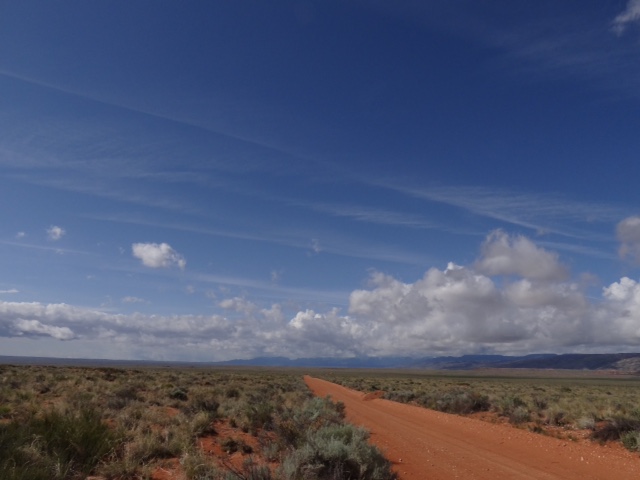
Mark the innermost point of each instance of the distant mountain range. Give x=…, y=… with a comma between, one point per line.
x=629, y=362
x=622, y=362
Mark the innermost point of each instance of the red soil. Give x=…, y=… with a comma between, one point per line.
x=211, y=445
x=424, y=443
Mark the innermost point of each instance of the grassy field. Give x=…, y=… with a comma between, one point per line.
x=546, y=402
x=137, y=423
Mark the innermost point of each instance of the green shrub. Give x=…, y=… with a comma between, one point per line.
x=232, y=392
x=254, y=471
x=586, y=422
x=291, y=425
x=616, y=428
x=508, y=404
x=556, y=416
x=519, y=415
x=336, y=452
x=403, y=396
x=179, y=394
x=198, y=467
x=54, y=446
x=462, y=402
x=204, y=402
x=631, y=440
x=260, y=415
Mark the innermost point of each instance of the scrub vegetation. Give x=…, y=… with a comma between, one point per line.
x=607, y=408
x=126, y=423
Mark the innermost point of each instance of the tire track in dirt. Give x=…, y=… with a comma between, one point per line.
x=425, y=444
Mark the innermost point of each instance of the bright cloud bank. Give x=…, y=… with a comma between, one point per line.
x=516, y=298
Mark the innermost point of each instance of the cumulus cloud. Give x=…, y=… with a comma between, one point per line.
x=238, y=304
x=458, y=310
x=515, y=299
x=158, y=255
x=628, y=232
x=55, y=233
x=507, y=255
x=629, y=16
x=62, y=321
x=34, y=327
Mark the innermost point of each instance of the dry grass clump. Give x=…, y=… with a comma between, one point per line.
x=55, y=444
x=126, y=423
x=607, y=406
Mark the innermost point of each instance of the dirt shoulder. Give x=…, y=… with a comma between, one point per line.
x=424, y=443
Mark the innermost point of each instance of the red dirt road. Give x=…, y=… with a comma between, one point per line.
x=428, y=445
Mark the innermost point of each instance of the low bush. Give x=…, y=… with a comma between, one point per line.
x=291, y=425
x=402, y=396
x=519, y=415
x=179, y=394
x=56, y=445
x=616, y=428
x=198, y=467
x=460, y=401
x=336, y=452
x=259, y=415
x=119, y=423
x=631, y=440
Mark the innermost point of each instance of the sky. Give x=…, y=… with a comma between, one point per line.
x=205, y=181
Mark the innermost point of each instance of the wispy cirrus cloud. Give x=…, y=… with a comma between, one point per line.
x=579, y=249
x=626, y=18
x=98, y=188
x=542, y=213
x=176, y=117
x=366, y=214
x=553, y=43
x=273, y=289
x=330, y=243
x=45, y=248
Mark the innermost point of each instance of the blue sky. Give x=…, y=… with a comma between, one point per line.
x=217, y=180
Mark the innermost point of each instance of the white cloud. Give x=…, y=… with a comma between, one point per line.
x=238, y=304
x=315, y=245
x=546, y=213
x=55, y=233
x=456, y=310
x=506, y=255
x=131, y=299
x=64, y=321
x=628, y=233
x=276, y=276
x=20, y=235
x=373, y=215
x=630, y=15
x=34, y=327
x=158, y=255
x=11, y=290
